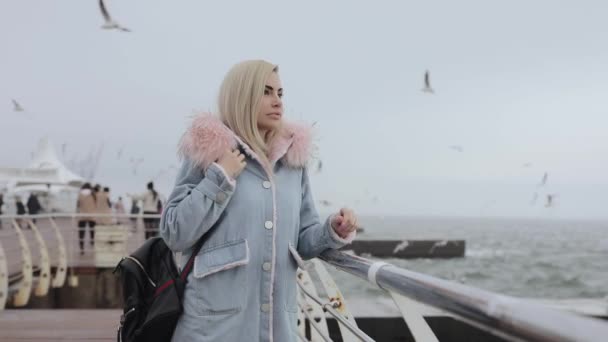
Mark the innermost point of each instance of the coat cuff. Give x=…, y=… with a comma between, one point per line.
x=337, y=241
x=216, y=185
x=217, y=167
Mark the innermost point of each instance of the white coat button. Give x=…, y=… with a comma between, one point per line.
x=265, y=307
x=268, y=225
x=266, y=184
x=266, y=266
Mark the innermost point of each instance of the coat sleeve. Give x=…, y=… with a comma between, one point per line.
x=195, y=204
x=314, y=236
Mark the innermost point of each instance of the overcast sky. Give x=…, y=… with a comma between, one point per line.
x=516, y=82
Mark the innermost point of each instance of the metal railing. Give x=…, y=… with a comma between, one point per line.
x=507, y=317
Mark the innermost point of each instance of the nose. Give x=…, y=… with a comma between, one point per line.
x=277, y=102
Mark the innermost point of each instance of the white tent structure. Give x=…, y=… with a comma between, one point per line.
x=45, y=168
x=47, y=176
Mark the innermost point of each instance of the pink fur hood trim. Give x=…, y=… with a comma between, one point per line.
x=207, y=138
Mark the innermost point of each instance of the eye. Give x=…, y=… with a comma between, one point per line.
x=266, y=92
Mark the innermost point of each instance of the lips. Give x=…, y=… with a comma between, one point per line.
x=275, y=115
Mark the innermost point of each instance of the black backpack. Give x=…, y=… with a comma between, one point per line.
x=153, y=291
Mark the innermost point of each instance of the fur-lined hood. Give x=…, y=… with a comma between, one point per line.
x=207, y=138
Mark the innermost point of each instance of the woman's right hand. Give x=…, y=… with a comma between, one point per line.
x=233, y=162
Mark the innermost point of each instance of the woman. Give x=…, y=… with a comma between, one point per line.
x=150, y=206
x=1, y=207
x=244, y=175
x=119, y=210
x=20, y=211
x=86, y=204
x=104, y=206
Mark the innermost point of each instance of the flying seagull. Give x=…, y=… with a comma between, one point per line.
x=427, y=83
x=437, y=244
x=135, y=163
x=109, y=23
x=17, y=107
x=550, y=198
x=544, y=180
x=457, y=148
x=119, y=153
x=401, y=246
x=325, y=203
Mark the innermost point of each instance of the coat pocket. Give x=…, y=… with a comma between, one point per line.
x=219, y=279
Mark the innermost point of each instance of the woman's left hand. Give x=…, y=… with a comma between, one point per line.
x=344, y=222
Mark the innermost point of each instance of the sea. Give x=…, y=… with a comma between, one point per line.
x=548, y=259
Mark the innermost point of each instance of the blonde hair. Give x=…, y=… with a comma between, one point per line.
x=239, y=99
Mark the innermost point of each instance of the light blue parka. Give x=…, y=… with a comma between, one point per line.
x=243, y=286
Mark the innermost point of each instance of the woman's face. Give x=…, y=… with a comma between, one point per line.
x=270, y=112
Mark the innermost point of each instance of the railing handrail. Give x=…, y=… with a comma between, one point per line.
x=500, y=314
x=76, y=215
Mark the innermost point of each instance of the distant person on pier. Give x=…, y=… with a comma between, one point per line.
x=104, y=206
x=1, y=207
x=20, y=211
x=119, y=209
x=135, y=209
x=33, y=206
x=87, y=205
x=150, y=200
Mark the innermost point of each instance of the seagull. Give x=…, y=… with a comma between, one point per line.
x=400, y=247
x=544, y=180
x=457, y=148
x=550, y=198
x=427, y=84
x=119, y=154
x=441, y=243
x=136, y=163
x=325, y=203
x=527, y=165
x=109, y=23
x=16, y=106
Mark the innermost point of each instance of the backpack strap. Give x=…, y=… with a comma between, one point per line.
x=190, y=263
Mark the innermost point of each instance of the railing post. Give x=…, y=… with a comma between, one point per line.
x=72, y=278
x=415, y=322
x=25, y=287
x=62, y=264
x=44, y=279
x=334, y=294
x=311, y=310
x=3, y=279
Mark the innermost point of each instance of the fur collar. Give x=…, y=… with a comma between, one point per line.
x=207, y=138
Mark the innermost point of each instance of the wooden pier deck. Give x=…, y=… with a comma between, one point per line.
x=58, y=325
x=374, y=316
